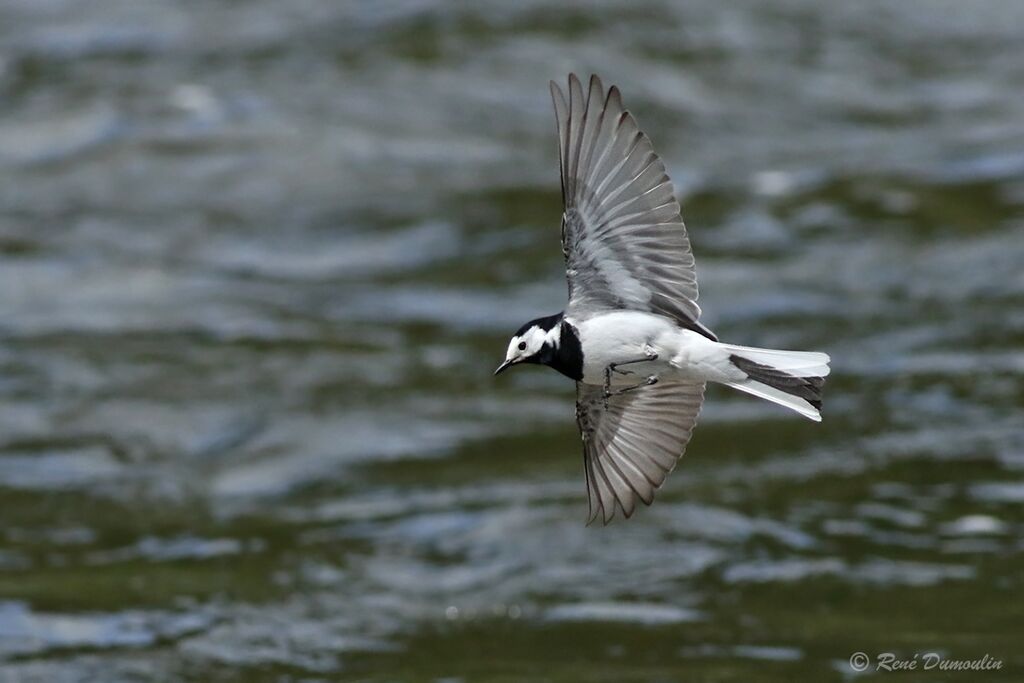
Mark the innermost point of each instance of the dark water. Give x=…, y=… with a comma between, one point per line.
x=258, y=261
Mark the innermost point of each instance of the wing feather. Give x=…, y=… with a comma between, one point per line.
x=632, y=441
x=623, y=237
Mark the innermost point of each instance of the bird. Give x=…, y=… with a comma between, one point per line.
x=630, y=335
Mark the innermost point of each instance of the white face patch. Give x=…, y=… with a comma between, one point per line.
x=529, y=343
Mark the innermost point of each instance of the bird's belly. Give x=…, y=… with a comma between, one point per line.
x=617, y=338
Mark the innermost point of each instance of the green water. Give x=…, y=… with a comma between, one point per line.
x=258, y=261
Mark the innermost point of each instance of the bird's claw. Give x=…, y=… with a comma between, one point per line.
x=649, y=355
x=608, y=393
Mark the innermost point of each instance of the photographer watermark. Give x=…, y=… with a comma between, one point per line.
x=922, y=661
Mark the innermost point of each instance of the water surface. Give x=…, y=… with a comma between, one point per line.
x=258, y=261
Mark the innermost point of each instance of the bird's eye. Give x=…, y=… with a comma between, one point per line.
x=522, y=346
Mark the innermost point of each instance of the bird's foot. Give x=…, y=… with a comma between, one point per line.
x=649, y=355
x=608, y=393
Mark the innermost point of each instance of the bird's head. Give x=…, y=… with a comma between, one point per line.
x=533, y=342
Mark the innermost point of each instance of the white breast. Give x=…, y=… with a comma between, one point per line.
x=618, y=337
x=626, y=335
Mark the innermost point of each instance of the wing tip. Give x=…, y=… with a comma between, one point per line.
x=575, y=86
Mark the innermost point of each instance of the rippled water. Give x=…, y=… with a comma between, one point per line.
x=258, y=261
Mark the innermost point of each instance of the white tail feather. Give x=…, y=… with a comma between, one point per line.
x=775, y=396
x=797, y=363
x=788, y=364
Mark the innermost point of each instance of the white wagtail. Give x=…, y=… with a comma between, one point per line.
x=630, y=335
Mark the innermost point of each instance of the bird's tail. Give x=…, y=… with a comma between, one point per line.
x=793, y=379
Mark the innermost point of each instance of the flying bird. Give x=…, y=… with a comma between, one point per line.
x=630, y=334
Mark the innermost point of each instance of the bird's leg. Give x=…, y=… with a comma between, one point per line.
x=649, y=355
x=652, y=379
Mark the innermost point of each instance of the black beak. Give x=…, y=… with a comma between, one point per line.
x=504, y=366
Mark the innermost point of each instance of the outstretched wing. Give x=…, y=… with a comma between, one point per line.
x=633, y=440
x=624, y=241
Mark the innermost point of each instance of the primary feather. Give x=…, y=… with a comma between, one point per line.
x=623, y=237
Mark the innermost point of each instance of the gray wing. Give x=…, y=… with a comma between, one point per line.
x=623, y=237
x=631, y=445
